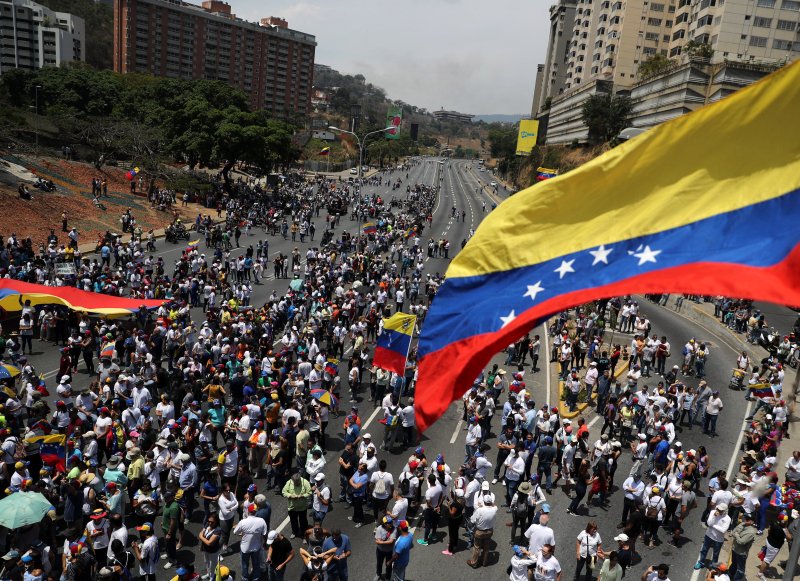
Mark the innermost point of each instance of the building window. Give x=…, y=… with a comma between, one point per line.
x=766, y=3
x=760, y=22
x=651, y=36
x=790, y=5
x=789, y=25
x=675, y=51
x=654, y=22
x=778, y=44
x=649, y=51
x=758, y=41
x=657, y=7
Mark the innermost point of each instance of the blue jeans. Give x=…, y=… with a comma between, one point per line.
x=546, y=470
x=399, y=573
x=319, y=515
x=710, y=423
x=511, y=489
x=713, y=546
x=737, y=566
x=253, y=558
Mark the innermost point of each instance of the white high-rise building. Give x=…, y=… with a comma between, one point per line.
x=33, y=36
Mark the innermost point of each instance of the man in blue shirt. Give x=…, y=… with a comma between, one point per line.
x=661, y=450
x=337, y=569
x=402, y=551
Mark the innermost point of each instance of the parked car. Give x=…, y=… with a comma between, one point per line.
x=353, y=171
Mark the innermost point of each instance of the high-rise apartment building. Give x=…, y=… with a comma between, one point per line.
x=717, y=44
x=270, y=62
x=32, y=36
x=739, y=30
x=562, y=17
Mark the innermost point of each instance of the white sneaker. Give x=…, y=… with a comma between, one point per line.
x=494, y=480
x=168, y=565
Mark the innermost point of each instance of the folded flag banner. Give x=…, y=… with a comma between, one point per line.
x=370, y=228
x=53, y=450
x=193, y=244
x=332, y=367
x=14, y=293
x=761, y=390
x=325, y=151
x=708, y=203
x=391, y=349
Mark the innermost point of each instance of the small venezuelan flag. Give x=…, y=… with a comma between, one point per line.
x=394, y=342
x=761, y=390
x=325, y=151
x=370, y=228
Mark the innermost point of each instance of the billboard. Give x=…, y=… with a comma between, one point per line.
x=528, y=133
x=394, y=116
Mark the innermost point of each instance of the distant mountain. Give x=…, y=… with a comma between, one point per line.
x=496, y=118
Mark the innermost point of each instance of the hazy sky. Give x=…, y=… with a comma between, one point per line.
x=473, y=56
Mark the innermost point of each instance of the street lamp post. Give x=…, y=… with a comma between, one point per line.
x=361, y=141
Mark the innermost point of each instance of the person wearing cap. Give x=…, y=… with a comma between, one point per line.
x=718, y=523
x=401, y=552
x=484, y=520
x=97, y=533
x=321, y=500
x=253, y=531
x=385, y=536
x=147, y=553
x=169, y=526
x=718, y=572
x=743, y=536
x=521, y=560
x=279, y=554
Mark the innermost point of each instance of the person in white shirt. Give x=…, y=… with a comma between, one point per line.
x=588, y=547
x=253, y=530
x=399, y=510
x=718, y=522
x=713, y=408
x=540, y=534
x=547, y=566
x=634, y=492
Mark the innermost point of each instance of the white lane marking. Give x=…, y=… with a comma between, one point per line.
x=372, y=417
x=547, y=360
x=456, y=431
x=283, y=524
x=593, y=422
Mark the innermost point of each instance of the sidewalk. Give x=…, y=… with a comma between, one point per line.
x=703, y=315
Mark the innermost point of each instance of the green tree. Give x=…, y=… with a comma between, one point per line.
x=605, y=115
x=694, y=48
x=654, y=65
x=503, y=140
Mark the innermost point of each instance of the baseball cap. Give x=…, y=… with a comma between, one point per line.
x=145, y=528
x=319, y=477
x=485, y=485
x=11, y=555
x=271, y=537
x=621, y=537
x=181, y=570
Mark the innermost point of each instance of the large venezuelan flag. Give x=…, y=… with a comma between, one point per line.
x=393, y=343
x=708, y=203
x=14, y=293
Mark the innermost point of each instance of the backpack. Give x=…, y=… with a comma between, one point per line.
x=380, y=487
x=652, y=510
x=521, y=508
x=405, y=485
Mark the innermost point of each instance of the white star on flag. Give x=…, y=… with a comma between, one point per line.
x=510, y=317
x=647, y=255
x=533, y=290
x=601, y=254
x=566, y=266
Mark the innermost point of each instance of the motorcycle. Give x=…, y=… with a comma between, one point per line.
x=175, y=233
x=768, y=339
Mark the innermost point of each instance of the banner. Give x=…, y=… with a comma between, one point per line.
x=394, y=117
x=528, y=133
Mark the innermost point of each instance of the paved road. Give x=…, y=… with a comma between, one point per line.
x=458, y=186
